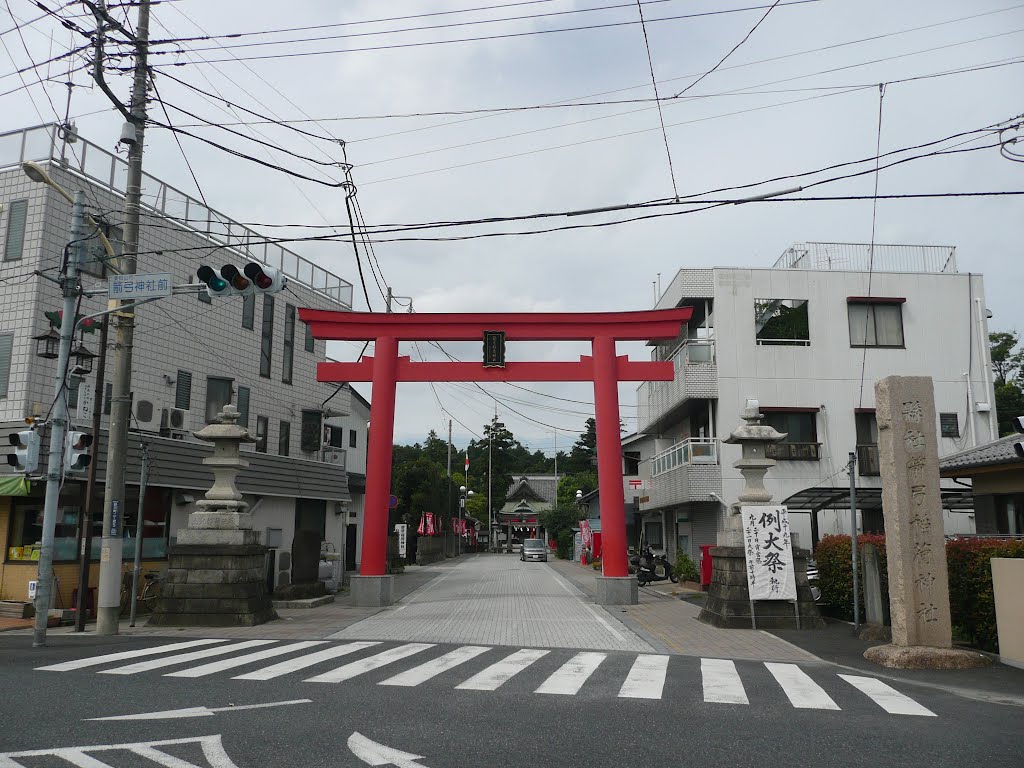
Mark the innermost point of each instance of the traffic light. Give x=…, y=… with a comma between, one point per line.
x=228, y=281
x=76, y=452
x=26, y=451
x=1018, y=447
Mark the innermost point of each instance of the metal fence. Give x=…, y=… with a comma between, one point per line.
x=684, y=453
x=44, y=144
x=862, y=257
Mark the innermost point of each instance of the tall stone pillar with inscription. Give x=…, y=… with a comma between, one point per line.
x=216, y=574
x=915, y=544
x=728, y=603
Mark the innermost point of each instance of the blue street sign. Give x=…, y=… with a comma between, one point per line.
x=392, y=501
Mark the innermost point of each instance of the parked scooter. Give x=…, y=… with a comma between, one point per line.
x=651, y=567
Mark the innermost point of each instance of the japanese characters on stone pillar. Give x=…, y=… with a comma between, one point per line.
x=912, y=505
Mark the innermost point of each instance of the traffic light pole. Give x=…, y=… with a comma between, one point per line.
x=112, y=548
x=58, y=423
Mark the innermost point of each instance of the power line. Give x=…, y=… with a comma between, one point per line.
x=657, y=100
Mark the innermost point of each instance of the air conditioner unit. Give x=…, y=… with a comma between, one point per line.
x=147, y=413
x=335, y=456
x=175, y=419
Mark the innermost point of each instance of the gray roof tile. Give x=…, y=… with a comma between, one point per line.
x=997, y=452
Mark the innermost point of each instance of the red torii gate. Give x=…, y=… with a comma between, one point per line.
x=386, y=368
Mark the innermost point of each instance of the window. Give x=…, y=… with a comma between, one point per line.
x=248, y=310
x=267, y=341
x=183, y=390
x=876, y=323
x=781, y=322
x=652, y=533
x=632, y=462
x=15, y=242
x=800, y=428
x=336, y=437
x=949, y=425
x=284, y=438
x=1010, y=514
x=311, y=434
x=262, y=424
x=310, y=341
x=289, y=343
x=243, y=406
x=867, y=444
x=218, y=394
x=6, y=345
x=353, y=438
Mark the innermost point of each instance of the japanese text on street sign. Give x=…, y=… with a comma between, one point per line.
x=769, y=553
x=139, y=286
x=403, y=532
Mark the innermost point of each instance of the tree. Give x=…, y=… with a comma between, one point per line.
x=569, y=484
x=563, y=517
x=584, y=450
x=1007, y=365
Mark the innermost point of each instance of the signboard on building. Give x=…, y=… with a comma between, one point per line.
x=139, y=286
x=403, y=537
x=86, y=395
x=769, y=550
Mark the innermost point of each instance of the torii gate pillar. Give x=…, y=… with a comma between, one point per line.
x=373, y=586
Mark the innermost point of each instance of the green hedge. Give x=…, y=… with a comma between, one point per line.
x=971, y=604
x=685, y=569
x=564, y=546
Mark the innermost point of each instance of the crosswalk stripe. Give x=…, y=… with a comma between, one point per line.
x=240, y=661
x=722, y=684
x=183, y=658
x=302, y=662
x=888, y=698
x=646, y=679
x=570, y=677
x=501, y=672
x=348, y=671
x=426, y=671
x=93, y=661
x=803, y=693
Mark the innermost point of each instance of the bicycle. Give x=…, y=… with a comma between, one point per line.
x=149, y=591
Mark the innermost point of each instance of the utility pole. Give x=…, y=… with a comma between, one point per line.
x=139, y=524
x=853, y=540
x=490, y=473
x=441, y=522
x=121, y=400
x=73, y=254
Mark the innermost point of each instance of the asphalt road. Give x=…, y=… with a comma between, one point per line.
x=583, y=721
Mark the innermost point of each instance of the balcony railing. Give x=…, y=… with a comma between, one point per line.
x=793, y=451
x=862, y=257
x=685, y=453
x=868, y=464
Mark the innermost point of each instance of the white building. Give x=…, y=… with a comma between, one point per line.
x=192, y=355
x=807, y=339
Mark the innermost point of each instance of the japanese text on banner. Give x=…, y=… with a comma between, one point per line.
x=770, y=573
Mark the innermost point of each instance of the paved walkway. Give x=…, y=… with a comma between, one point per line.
x=498, y=600
x=670, y=624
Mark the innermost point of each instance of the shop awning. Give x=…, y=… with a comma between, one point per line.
x=14, y=486
x=868, y=499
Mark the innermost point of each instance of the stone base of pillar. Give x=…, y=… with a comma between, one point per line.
x=617, y=590
x=925, y=657
x=214, y=585
x=372, y=591
x=728, y=601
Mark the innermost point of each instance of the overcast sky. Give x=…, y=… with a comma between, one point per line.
x=793, y=98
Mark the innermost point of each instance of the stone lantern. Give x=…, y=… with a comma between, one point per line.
x=216, y=574
x=728, y=603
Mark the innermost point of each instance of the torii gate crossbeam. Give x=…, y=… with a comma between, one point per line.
x=386, y=368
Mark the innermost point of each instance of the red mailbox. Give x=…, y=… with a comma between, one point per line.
x=705, y=564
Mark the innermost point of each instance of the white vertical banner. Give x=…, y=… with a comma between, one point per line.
x=403, y=535
x=769, y=549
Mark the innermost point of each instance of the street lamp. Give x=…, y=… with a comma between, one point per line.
x=464, y=493
x=48, y=344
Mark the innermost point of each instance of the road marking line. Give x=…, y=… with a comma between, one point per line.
x=571, y=676
x=213, y=751
x=501, y=672
x=888, y=698
x=803, y=693
x=646, y=679
x=182, y=658
x=431, y=669
x=722, y=683
x=240, y=661
x=302, y=662
x=348, y=671
x=93, y=661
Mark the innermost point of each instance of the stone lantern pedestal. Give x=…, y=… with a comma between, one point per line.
x=217, y=569
x=728, y=601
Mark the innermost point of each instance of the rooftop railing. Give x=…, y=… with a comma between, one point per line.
x=43, y=144
x=863, y=257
